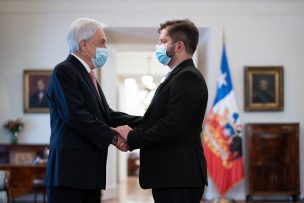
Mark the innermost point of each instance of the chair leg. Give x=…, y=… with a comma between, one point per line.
x=44, y=197
x=35, y=197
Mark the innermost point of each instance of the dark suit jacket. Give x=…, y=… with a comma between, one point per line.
x=80, y=132
x=171, y=152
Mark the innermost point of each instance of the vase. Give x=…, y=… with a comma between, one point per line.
x=14, y=138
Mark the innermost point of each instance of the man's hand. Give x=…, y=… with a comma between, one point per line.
x=121, y=144
x=123, y=131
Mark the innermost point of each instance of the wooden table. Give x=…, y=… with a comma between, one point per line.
x=22, y=176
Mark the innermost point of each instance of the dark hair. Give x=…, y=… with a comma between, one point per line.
x=182, y=30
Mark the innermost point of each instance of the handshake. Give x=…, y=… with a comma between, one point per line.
x=122, y=137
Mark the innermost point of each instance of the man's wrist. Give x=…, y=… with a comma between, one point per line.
x=115, y=139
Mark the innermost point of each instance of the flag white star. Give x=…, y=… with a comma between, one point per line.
x=222, y=80
x=227, y=131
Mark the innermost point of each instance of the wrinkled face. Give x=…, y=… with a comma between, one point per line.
x=98, y=40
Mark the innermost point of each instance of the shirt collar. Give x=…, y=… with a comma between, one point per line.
x=83, y=62
x=170, y=71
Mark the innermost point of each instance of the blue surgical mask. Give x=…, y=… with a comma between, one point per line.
x=161, y=54
x=101, y=57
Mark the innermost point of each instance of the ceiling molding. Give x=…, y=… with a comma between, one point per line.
x=149, y=7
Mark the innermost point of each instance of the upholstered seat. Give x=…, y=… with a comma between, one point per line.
x=4, y=187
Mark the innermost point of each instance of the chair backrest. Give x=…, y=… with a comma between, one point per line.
x=4, y=186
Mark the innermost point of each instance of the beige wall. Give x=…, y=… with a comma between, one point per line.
x=32, y=36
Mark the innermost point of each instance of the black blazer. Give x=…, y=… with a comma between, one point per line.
x=80, y=132
x=171, y=152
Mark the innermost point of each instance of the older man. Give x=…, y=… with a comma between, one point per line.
x=81, y=119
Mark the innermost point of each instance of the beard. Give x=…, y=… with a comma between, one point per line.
x=171, y=51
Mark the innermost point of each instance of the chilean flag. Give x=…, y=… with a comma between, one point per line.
x=221, y=136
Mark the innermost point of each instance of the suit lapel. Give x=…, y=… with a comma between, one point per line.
x=170, y=76
x=93, y=89
x=89, y=82
x=104, y=102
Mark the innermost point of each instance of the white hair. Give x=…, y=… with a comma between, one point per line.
x=81, y=29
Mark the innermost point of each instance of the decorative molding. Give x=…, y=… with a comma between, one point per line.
x=148, y=7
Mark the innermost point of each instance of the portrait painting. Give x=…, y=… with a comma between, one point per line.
x=35, y=84
x=264, y=88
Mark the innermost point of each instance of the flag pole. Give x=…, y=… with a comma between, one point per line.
x=223, y=35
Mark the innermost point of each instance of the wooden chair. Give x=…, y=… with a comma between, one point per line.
x=4, y=187
x=39, y=187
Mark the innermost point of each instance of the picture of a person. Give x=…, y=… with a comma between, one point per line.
x=39, y=98
x=263, y=91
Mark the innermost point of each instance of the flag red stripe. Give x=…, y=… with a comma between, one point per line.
x=224, y=178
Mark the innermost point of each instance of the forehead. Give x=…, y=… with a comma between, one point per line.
x=99, y=35
x=164, y=35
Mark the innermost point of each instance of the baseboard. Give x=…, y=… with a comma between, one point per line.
x=109, y=193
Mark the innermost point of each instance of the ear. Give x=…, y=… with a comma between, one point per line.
x=83, y=45
x=180, y=46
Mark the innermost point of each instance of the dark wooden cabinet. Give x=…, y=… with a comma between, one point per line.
x=20, y=154
x=19, y=161
x=273, y=159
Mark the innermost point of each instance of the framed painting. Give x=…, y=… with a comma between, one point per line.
x=35, y=85
x=264, y=88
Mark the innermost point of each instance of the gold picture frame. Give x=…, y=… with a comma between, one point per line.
x=35, y=85
x=264, y=88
